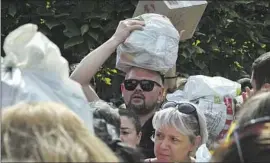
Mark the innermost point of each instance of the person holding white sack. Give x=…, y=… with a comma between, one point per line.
x=131, y=35
x=90, y=64
x=140, y=39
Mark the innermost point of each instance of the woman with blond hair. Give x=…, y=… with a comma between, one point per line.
x=49, y=132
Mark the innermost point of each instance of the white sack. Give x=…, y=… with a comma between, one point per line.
x=34, y=70
x=154, y=48
x=214, y=96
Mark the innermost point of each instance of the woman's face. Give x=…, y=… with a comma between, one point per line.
x=128, y=132
x=171, y=145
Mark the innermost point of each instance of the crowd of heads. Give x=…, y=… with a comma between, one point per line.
x=148, y=127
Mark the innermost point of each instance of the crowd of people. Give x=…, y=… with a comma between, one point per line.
x=148, y=129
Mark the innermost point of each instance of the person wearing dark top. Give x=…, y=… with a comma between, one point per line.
x=142, y=92
x=146, y=143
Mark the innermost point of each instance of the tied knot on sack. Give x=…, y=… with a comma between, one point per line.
x=27, y=48
x=33, y=70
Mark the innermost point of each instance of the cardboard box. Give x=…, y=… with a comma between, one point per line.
x=185, y=15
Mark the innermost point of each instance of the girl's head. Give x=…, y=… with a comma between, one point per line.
x=130, y=130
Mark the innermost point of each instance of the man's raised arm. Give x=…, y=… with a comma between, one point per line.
x=88, y=67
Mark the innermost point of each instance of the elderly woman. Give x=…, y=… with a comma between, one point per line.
x=180, y=130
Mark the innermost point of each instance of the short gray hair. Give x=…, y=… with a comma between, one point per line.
x=186, y=124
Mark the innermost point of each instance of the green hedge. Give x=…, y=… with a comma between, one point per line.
x=229, y=36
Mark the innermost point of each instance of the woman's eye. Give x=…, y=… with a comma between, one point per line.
x=124, y=133
x=175, y=140
x=158, y=135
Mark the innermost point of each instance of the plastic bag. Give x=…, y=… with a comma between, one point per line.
x=178, y=95
x=214, y=96
x=203, y=154
x=34, y=70
x=154, y=48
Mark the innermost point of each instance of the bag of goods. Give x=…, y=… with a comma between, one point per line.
x=154, y=48
x=214, y=96
x=33, y=70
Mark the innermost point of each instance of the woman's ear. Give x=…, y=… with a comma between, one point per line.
x=139, y=136
x=196, y=143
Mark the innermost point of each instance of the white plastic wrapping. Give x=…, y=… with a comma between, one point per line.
x=203, y=154
x=214, y=96
x=154, y=48
x=34, y=70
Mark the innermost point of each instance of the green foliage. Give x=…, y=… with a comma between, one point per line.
x=106, y=74
x=229, y=36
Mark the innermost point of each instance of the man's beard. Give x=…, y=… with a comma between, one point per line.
x=141, y=109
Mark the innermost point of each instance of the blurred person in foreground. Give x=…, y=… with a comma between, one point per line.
x=91, y=63
x=48, y=132
x=248, y=143
x=180, y=131
x=130, y=131
x=248, y=138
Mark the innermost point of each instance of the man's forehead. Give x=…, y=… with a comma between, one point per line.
x=141, y=73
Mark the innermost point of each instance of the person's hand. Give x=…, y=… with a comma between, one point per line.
x=124, y=29
x=246, y=95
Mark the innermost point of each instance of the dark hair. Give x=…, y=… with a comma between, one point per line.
x=260, y=68
x=106, y=121
x=134, y=118
x=126, y=153
x=245, y=82
x=256, y=107
x=105, y=114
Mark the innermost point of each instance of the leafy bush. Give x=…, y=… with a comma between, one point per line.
x=229, y=37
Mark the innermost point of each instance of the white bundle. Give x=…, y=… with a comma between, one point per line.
x=34, y=70
x=154, y=48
